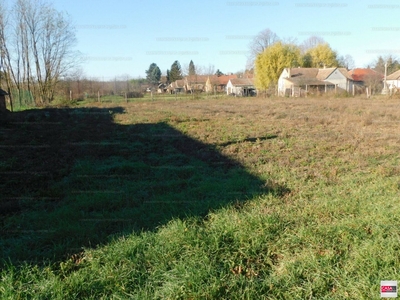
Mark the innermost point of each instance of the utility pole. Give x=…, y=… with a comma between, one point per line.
x=385, y=88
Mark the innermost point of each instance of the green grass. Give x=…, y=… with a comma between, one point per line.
x=236, y=199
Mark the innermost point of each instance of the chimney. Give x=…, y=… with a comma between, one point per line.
x=288, y=71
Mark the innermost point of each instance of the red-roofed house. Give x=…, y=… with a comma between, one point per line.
x=367, y=78
x=361, y=75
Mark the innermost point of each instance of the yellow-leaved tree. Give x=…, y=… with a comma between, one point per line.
x=270, y=63
x=320, y=56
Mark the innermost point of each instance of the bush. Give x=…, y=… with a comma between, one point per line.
x=134, y=95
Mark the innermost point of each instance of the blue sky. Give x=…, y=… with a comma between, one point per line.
x=123, y=37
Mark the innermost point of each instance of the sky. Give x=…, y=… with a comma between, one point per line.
x=123, y=37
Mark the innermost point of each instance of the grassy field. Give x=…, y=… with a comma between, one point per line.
x=230, y=198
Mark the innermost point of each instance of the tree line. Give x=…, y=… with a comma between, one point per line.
x=176, y=72
x=153, y=73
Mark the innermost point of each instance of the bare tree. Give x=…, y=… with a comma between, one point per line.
x=185, y=69
x=36, y=48
x=259, y=43
x=209, y=70
x=392, y=62
x=346, y=61
x=311, y=42
x=4, y=51
x=374, y=82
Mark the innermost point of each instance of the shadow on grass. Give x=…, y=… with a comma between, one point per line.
x=72, y=178
x=250, y=139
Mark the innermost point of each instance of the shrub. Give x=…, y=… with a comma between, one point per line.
x=134, y=95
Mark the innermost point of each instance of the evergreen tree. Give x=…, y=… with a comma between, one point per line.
x=392, y=64
x=192, y=69
x=175, y=73
x=156, y=75
x=219, y=73
x=153, y=74
x=168, y=80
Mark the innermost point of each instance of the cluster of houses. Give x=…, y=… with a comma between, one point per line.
x=229, y=84
x=295, y=82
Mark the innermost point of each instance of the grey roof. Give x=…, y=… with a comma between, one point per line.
x=242, y=81
x=313, y=76
x=345, y=73
x=324, y=73
x=394, y=76
x=303, y=72
x=196, y=79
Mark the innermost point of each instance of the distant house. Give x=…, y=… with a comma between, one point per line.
x=218, y=83
x=298, y=81
x=195, y=83
x=176, y=87
x=241, y=87
x=162, y=88
x=339, y=77
x=360, y=75
x=393, y=80
x=366, y=78
x=145, y=88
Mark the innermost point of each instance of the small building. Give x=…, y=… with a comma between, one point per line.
x=241, y=87
x=393, y=80
x=3, y=95
x=218, y=83
x=162, y=88
x=297, y=82
x=363, y=78
x=341, y=78
x=177, y=87
x=195, y=83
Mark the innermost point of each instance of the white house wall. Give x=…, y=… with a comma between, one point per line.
x=282, y=82
x=229, y=88
x=395, y=83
